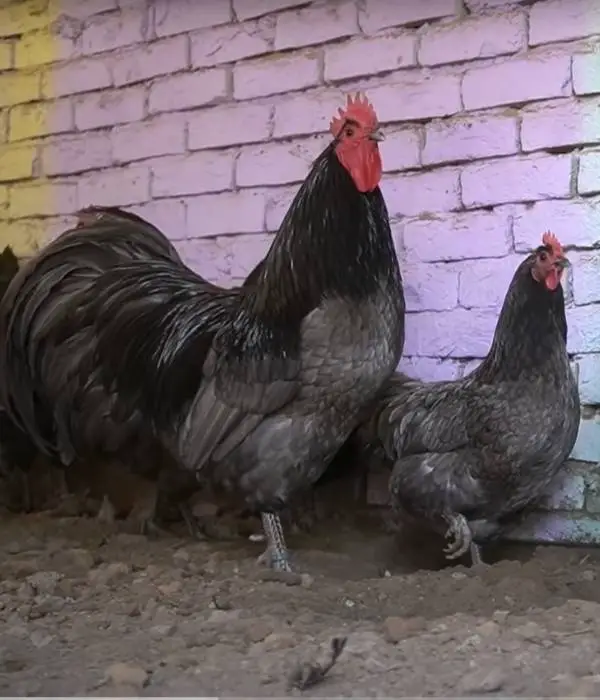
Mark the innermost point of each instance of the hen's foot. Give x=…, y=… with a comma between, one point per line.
x=458, y=535
x=278, y=561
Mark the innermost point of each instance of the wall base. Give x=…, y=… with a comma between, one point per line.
x=568, y=515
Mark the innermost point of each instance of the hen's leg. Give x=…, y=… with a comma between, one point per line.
x=458, y=535
x=276, y=555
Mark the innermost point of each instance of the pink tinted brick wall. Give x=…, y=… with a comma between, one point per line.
x=204, y=116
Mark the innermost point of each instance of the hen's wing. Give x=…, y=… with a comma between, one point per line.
x=252, y=370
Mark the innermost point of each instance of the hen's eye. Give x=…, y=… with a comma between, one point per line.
x=543, y=256
x=349, y=131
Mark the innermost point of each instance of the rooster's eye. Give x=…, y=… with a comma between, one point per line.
x=349, y=131
x=543, y=256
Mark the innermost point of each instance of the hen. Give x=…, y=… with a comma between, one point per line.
x=469, y=454
x=257, y=388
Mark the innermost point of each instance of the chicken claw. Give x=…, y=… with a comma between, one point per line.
x=276, y=555
x=459, y=536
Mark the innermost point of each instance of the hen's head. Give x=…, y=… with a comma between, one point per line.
x=356, y=132
x=549, y=262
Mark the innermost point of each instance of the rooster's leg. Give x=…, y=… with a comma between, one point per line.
x=476, y=559
x=276, y=555
x=458, y=535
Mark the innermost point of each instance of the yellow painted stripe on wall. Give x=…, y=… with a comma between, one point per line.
x=27, y=46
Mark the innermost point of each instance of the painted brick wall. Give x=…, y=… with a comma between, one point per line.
x=204, y=117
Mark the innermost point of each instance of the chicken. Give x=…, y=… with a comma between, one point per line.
x=51, y=388
x=256, y=388
x=471, y=454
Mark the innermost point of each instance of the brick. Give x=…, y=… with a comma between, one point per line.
x=106, y=108
x=470, y=138
x=513, y=82
x=40, y=119
x=586, y=74
x=430, y=287
x=189, y=90
x=561, y=20
x=316, y=24
x=77, y=154
x=585, y=274
x=479, y=5
x=16, y=163
x=229, y=125
x=429, y=369
x=110, y=32
x=192, y=174
x=80, y=75
x=279, y=200
x=248, y=9
x=556, y=529
x=380, y=14
x=484, y=283
x=566, y=123
x=21, y=17
x=3, y=126
x=471, y=235
x=401, y=149
x=411, y=195
x=567, y=492
x=150, y=60
x=588, y=177
x=18, y=88
x=226, y=258
x=157, y=137
x=277, y=164
x=3, y=197
x=423, y=96
x=184, y=15
x=40, y=48
x=6, y=55
x=168, y=215
x=516, y=180
x=45, y=199
x=473, y=37
x=82, y=9
x=232, y=42
x=575, y=222
x=456, y=333
x=272, y=76
x=230, y=212
x=360, y=57
x=584, y=329
x=589, y=379
x=587, y=447
x=26, y=236
x=117, y=187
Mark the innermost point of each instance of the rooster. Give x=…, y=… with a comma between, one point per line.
x=256, y=387
x=469, y=454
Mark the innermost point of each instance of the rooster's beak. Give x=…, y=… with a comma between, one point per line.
x=377, y=135
x=562, y=263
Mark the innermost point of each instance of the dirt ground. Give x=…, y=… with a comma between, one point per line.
x=88, y=610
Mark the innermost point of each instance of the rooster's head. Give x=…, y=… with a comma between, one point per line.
x=549, y=262
x=357, y=135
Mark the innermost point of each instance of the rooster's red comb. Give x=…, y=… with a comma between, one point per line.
x=359, y=109
x=550, y=240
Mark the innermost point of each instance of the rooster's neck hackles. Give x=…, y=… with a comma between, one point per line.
x=333, y=242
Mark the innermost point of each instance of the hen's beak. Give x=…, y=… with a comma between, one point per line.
x=377, y=135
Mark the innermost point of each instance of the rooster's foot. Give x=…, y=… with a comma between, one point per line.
x=194, y=527
x=278, y=561
x=458, y=535
x=151, y=529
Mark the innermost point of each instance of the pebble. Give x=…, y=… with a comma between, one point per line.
x=44, y=581
x=77, y=560
x=483, y=681
x=259, y=631
x=109, y=573
x=396, y=629
x=126, y=674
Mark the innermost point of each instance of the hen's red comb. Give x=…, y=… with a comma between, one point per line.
x=550, y=240
x=359, y=109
